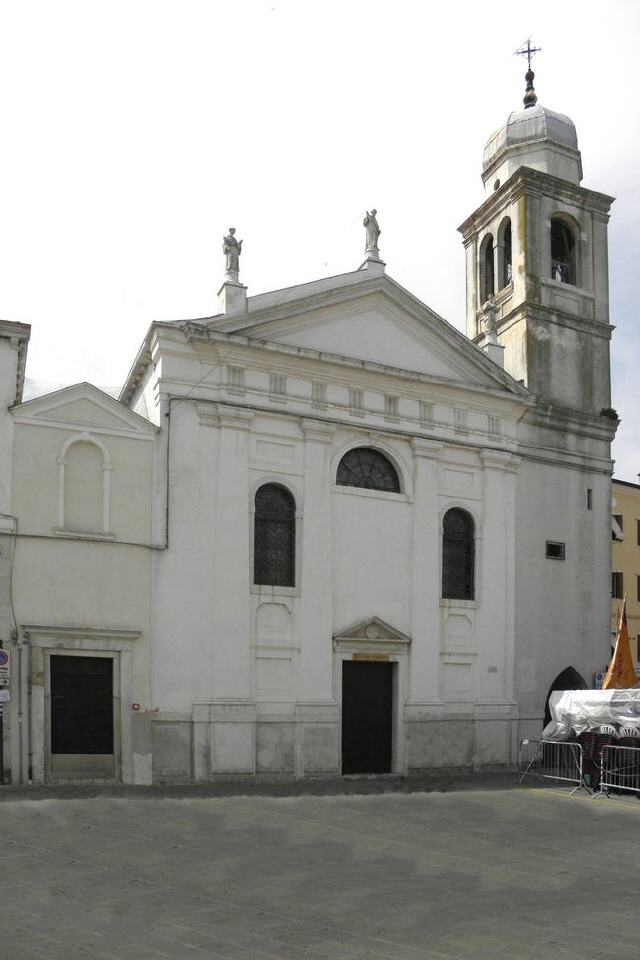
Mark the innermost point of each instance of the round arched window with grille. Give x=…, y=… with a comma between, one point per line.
x=367, y=468
x=458, y=555
x=274, y=544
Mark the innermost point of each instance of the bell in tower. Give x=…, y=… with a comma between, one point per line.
x=537, y=261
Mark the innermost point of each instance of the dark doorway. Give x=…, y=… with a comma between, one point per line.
x=569, y=679
x=367, y=696
x=81, y=705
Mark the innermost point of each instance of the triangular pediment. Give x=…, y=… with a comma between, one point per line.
x=371, y=631
x=377, y=321
x=83, y=405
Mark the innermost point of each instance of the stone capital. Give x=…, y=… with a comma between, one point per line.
x=429, y=449
x=318, y=430
x=499, y=460
x=207, y=414
x=218, y=415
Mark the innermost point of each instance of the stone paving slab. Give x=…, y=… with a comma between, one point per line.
x=501, y=874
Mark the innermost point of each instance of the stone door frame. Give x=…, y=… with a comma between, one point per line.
x=46, y=641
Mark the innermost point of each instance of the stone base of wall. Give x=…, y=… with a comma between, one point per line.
x=239, y=739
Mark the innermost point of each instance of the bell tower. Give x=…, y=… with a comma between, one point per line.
x=537, y=261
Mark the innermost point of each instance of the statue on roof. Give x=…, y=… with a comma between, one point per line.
x=232, y=248
x=373, y=232
x=490, y=319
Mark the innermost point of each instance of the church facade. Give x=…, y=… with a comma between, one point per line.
x=323, y=531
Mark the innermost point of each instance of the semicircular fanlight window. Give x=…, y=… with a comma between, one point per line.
x=368, y=468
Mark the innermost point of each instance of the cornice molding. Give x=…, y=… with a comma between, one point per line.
x=95, y=638
x=534, y=183
x=18, y=335
x=538, y=312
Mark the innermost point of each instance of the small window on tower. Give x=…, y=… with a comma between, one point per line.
x=555, y=551
x=589, y=499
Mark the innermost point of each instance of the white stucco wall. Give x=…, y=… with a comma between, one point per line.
x=561, y=611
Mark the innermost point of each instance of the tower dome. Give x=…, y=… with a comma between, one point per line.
x=535, y=137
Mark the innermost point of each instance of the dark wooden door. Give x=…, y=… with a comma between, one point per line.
x=367, y=692
x=81, y=705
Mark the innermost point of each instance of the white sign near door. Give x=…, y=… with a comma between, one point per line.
x=5, y=668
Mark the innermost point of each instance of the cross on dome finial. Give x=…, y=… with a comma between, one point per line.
x=526, y=50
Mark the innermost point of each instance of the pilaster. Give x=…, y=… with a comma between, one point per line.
x=208, y=441
x=316, y=593
x=425, y=573
x=231, y=565
x=496, y=590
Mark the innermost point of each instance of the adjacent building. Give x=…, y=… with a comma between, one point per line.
x=625, y=560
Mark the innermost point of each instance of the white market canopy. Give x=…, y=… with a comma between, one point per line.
x=574, y=711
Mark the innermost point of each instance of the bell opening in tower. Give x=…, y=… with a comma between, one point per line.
x=563, y=257
x=487, y=284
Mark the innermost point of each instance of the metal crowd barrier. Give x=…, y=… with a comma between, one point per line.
x=551, y=760
x=620, y=769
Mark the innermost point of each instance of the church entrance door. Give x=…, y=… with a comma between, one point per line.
x=367, y=702
x=82, y=717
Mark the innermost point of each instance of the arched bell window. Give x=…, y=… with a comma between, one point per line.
x=274, y=541
x=366, y=467
x=504, y=253
x=563, y=252
x=458, y=555
x=487, y=279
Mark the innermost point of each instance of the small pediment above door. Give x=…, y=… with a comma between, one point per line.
x=371, y=634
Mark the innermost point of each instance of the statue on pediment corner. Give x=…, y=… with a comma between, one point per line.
x=232, y=248
x=372, y=227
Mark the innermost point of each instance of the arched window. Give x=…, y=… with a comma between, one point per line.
x=458, y=555
x=505, y=259
x=274, y=544
x=365, y=467
x=487, y=281
x=563, y=252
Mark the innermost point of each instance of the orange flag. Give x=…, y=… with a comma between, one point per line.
x=621, y=673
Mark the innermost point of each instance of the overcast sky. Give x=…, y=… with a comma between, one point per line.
x=135, y=133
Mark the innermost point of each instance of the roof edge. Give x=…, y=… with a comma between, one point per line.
x=20, y=333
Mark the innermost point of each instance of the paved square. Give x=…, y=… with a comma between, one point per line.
x=478, y=874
